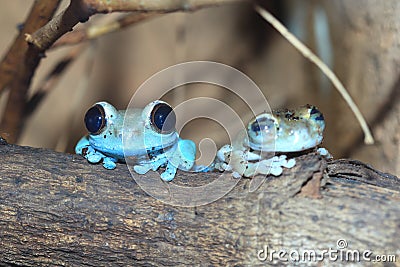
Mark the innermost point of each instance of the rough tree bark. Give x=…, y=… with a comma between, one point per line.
x=56, y=209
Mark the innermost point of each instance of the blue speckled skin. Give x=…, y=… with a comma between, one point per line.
x=148, y=148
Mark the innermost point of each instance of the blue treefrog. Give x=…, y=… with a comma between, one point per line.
x=152, y=140
x=282, y=131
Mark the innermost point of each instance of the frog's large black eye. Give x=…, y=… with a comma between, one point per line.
x=163, y=118
x=255, y=126
x=262, y=124
x=95, y=119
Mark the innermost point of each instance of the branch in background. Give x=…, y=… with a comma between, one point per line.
x=81, y=10
x=95, y=31
x=18, y=68
x=43, y=38
x=165, y=6
x=41, y=12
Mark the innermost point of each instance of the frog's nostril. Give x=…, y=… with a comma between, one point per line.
x=95, y=119
x=163, y=118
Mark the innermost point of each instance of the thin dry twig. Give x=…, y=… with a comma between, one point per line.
x=95, y=31
x=307, y=53
x=81, y=10
x=164, y=6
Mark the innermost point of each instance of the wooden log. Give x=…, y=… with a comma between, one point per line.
x=57, y=209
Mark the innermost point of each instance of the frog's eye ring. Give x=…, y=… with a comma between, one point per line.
x=95, y=119
x=163, y=118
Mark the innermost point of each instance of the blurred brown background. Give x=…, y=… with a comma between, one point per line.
x=359, y=39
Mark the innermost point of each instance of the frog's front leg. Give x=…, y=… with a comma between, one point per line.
x=237, y=159
x=222, y=158
x=82, y=145
x=153, y=164
x=109, y=163
x=324, y=153
x=180, y=157
x=272, y=166
x=243, y=162
x=84, y=148
x=228, y=159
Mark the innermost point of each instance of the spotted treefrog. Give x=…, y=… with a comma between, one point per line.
x=282, y=131
x=151, y=139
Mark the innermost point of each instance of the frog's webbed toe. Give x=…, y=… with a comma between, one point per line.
x=276, y=170
x=152, y=164
x=254, y=168
x=279, y=162
x=142, y=169
x=273, y=165
x=93, y=156
x=324, y=153
x=262, y=167
x=83, y=148
x=109, y=163
x=169, y=173
x=286, y=163
x=220, y=166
